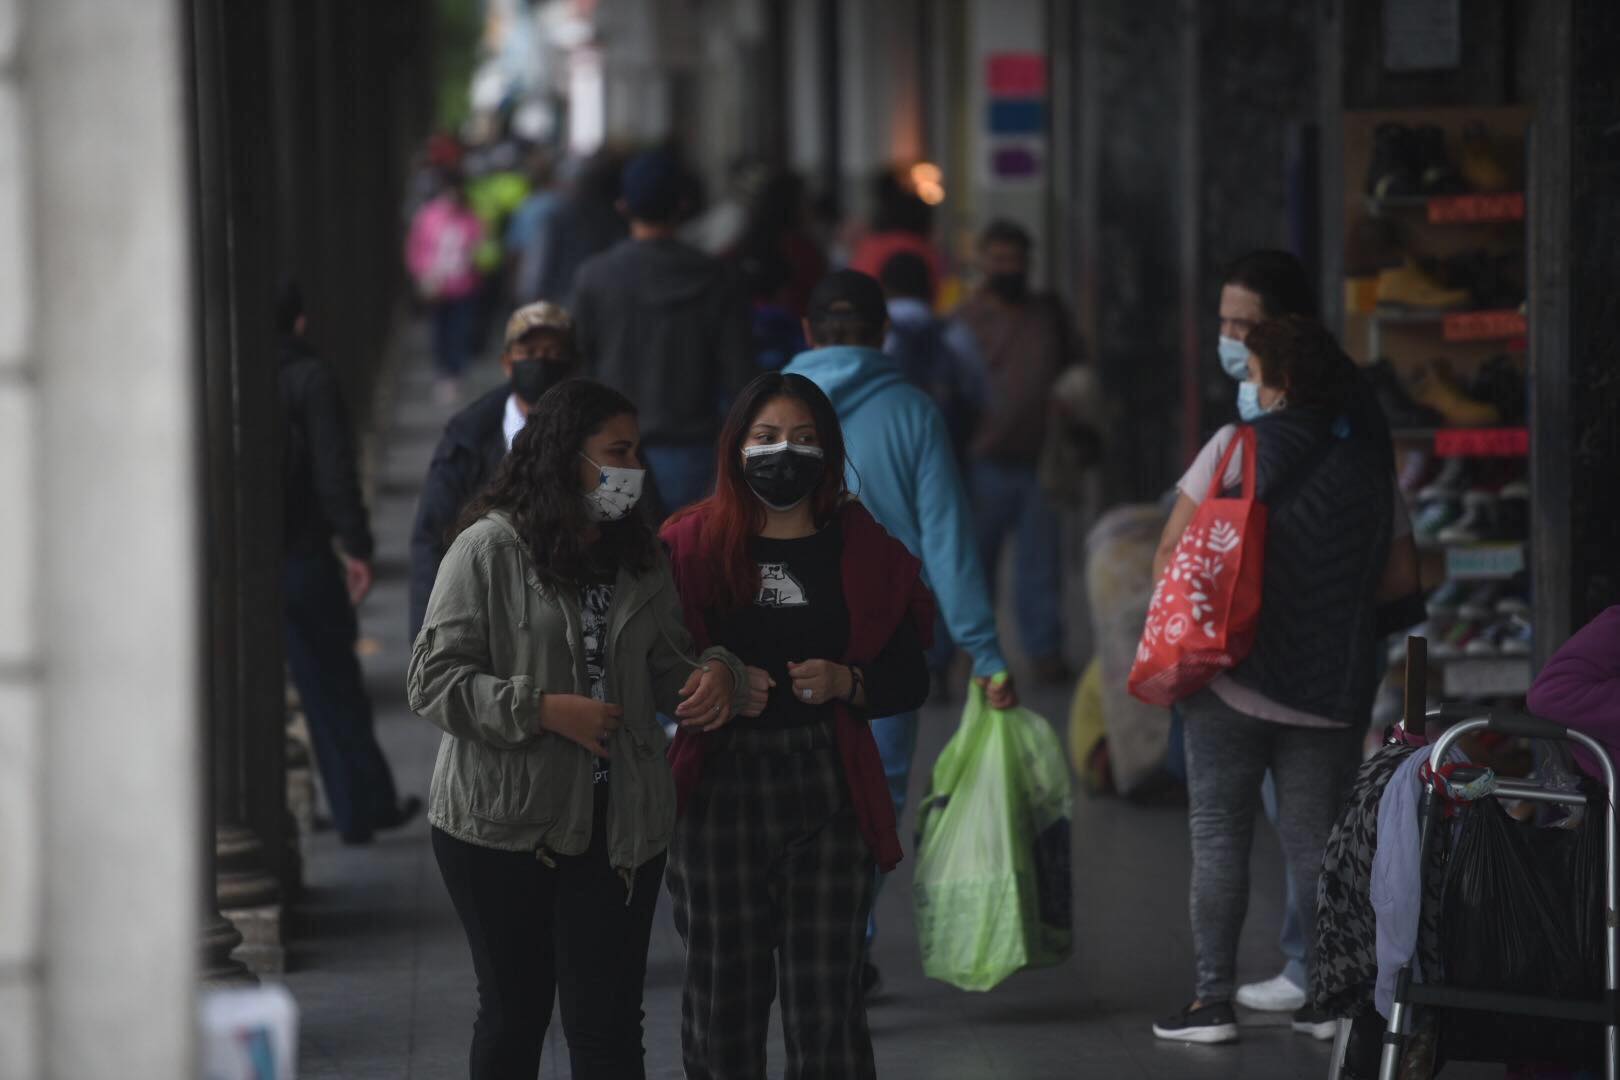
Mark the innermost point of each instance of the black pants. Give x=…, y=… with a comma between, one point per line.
x=321, y=633
x=538, y=933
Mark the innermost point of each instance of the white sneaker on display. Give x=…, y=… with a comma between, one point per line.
x=1273, y=995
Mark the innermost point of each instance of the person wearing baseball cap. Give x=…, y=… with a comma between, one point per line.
x=539, y=352
x=903, y=469
x=667, y=326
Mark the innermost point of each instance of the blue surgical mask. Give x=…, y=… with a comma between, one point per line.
x=1235, y=358
x=1249, y=407
x=1248, y=401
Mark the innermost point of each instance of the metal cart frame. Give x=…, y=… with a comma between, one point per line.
x=1409, y=993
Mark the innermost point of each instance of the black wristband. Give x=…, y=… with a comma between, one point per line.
x=856, y=683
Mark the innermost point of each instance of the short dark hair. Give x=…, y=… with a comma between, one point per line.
x=1299, y=355
x=654, y=187
x=1278, y=278
x=906, y=274
x=1003, y=231
x=847, y=308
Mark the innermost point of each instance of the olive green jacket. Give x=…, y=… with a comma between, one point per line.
x=494, y=641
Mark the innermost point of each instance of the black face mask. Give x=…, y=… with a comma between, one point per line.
x=783, y=475
x=1011, y=287
x=532, y=378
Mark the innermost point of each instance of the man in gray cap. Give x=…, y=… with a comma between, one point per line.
x=539, y=353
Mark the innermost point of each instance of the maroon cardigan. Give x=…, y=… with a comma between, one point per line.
x=882, y=585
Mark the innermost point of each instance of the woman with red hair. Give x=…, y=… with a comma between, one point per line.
x=786, y=814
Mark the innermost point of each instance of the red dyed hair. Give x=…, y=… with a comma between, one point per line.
x=733, y=514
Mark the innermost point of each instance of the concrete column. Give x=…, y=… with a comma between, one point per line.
x=98, y=576
x=236, y=376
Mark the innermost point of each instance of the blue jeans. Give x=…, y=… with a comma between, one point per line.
x=1009, y=498
x=684, y=474
x=321, y=632
x=897, y=743
x=1291, y=941
x=453, y=333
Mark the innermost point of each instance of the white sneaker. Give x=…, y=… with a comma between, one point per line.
x=1273, y=995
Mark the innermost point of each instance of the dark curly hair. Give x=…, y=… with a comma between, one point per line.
x=537, y=487
x=1299, y=356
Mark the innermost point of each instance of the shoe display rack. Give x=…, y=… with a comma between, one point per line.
x=1434, y=299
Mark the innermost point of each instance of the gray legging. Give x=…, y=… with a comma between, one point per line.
x=1228, y=753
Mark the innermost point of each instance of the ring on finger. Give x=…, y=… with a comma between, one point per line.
x=807, y=693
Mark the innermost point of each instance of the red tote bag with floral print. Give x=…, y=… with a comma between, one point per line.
x=1206, y=605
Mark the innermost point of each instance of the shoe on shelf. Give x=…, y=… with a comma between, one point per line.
x=1410, y=286
x=1446, y=601
x=1455, y=641
x=1480, y=164
x=1436, y=174
x=1480, y=602
x=1398, y=406
x=1432, y=384
x=1510, y=635
x=1319, y=1025
x=1215, y=1023
x=1433, y=516
x=1280, y=994
x=1392, y=172
x=1451, y=483
x=1483, y=645
x=1477, y=523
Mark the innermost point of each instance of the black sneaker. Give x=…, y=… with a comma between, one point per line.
x=1317, y=1024
x=1215, y=1023
x=871, y=980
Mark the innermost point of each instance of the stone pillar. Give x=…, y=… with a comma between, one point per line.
x=242, y=464
x=1574, y=315
x=99, y=635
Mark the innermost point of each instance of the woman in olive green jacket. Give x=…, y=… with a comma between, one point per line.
x=552, y=639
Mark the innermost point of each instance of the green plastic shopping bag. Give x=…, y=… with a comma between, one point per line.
x=992, y=888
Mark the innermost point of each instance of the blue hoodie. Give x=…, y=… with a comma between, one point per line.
x=901, y=466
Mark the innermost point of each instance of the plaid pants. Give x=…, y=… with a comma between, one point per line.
x=772, y=885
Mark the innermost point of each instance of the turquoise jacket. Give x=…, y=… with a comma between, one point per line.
x=902, y=468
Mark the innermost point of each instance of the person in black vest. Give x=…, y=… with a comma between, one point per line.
x=539, y=353
x=321, y=589
x=1299, y=703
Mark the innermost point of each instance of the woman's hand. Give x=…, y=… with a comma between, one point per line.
x=580, y=719
x=760, y=684
x=816, y=682
x=708, y=698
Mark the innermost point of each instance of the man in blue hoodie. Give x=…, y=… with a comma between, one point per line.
x=903, y=468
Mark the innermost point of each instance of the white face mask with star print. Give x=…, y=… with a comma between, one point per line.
x=617, y=492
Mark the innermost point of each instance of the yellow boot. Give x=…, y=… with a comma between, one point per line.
x=1431, y=384
x=1410, y=286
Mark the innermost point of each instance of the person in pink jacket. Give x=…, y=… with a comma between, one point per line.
x=439, y=254
x=1580, y=687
